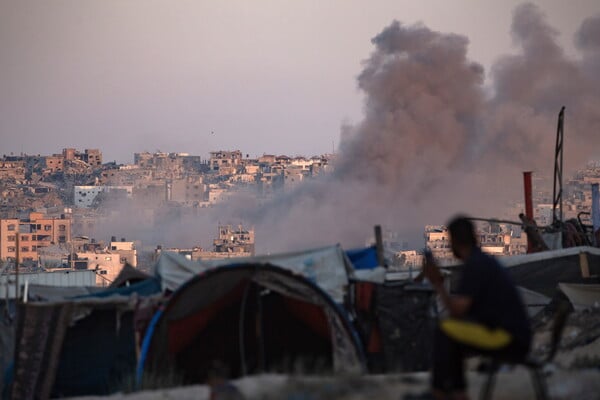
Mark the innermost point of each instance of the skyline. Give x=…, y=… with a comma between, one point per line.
x=126, y=77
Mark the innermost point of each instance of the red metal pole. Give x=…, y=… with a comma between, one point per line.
x=528, y=201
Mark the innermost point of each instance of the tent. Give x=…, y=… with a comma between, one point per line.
x=128, y=275
x=329, y=267
x=78, y=343
x=254, y=318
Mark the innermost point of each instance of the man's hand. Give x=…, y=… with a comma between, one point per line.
x=432, y=273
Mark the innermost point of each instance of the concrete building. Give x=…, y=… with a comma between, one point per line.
x=36, y=231
x=92, y=157
x=231, y=242
x=234, y=240
x=438, y=241
x=107, y=262
x=84, y=196
x=225, y=162
x=188, y=191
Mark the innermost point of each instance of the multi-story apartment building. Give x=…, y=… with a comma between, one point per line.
x=225, y=162
x=54, y=163
x=107, y=262
x=189, y=191
x=230, y=243
x=92, y=157
x=84, y=196
x=234, y=240
x=35, y=232
x=495, y=239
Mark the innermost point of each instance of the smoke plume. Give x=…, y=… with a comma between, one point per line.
x=435, y=141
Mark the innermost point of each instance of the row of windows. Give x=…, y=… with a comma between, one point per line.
x=61, y=228
x=24, y=249
x=12, y=249
x=25, y=238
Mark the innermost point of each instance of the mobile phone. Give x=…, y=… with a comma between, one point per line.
x=428, y=255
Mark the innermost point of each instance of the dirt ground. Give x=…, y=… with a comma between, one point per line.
x=573, y=374
x=510, y=385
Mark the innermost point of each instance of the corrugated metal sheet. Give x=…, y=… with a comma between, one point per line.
x=54, y=278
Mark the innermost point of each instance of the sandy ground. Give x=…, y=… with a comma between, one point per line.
x=573, y=374
x=512, y=384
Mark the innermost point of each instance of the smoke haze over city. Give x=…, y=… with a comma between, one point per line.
x=441, y=122
x=434, y=142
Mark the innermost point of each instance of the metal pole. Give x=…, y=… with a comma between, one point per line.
x=558, y=169
x=595, y=213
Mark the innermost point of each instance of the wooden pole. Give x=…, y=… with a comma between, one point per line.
x=17, y=256
x=379, y=246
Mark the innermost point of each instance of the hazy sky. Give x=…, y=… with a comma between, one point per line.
x=264, y=76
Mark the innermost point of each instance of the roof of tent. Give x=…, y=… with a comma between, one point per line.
x=92, y=328
x=129, y=275
x=328, y=267
x=205, y=291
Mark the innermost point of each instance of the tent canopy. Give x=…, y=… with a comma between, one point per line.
x=253, y=317
x=329, y=267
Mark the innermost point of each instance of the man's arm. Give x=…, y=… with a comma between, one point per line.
x=457, y=305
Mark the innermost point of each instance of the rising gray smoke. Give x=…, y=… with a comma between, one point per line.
x=433, y=142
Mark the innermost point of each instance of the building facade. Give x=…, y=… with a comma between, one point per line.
x=35, y=232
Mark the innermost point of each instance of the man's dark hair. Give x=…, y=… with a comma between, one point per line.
x=462, y=231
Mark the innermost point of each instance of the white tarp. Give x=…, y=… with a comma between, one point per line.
x=581, y=295
x=512, y=261
x=328, y=267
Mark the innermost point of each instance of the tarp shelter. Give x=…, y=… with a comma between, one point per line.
x=328, y=267
x=253, y=318
x=78, y=346
x=128, y=276
x=364, y=258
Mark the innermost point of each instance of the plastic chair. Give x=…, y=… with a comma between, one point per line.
x=534, y=365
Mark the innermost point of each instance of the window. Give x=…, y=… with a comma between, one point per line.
x=11, y=238
x=33, y=248
x=25, y=249
x=11, y=227
x=11, y=249
x=47, y=227
x=62, y=228
x=62, y=239
x=25, y=238
x=39, y=226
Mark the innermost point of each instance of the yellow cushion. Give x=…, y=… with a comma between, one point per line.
x=476, y=335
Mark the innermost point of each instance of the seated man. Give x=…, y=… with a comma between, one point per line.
x=487, y=313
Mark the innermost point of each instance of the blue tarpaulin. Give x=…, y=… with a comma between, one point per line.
x=365, y=258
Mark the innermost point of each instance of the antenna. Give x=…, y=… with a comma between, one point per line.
x=558, y=169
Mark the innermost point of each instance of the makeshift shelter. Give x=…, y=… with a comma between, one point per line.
x=128, y=276
x=253, y=318
x=328, y=267
x=80, y=345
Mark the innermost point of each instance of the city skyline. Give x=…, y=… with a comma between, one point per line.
x=195, y=76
